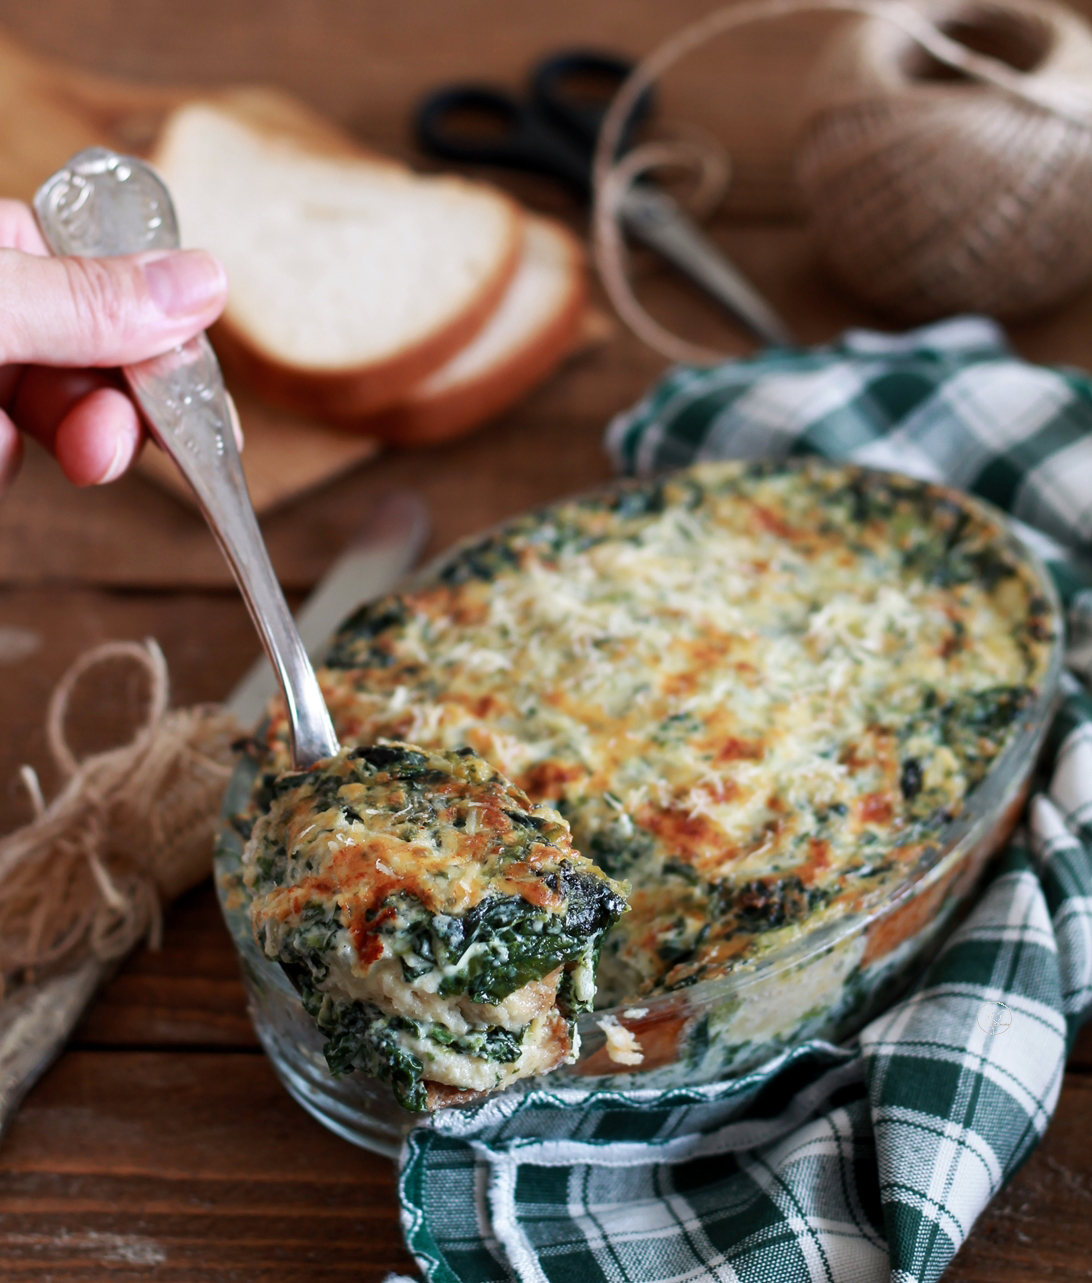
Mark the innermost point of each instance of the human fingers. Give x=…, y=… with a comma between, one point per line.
x=98, y=438
x=19, y=230
x=84, y=417
x=9, y=382
x=46, y=395
x=104, y=311
x=89, y=450
x=11, y=450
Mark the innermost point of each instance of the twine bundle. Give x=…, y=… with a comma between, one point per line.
x=130, y=829
x=948, y=166
x=931, y=194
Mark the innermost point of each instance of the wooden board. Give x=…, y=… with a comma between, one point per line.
x=285, y=456
x=55, y=112
x=52, y=112
x=130, y=535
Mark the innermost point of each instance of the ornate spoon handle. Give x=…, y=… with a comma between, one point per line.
x=102, y=204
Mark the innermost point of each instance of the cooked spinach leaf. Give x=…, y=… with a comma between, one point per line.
x=765, y=904
x=505, y=942
x=362, y=1038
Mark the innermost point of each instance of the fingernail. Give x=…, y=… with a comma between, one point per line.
x=11, y=450
x=119, y=462
x=185, y=282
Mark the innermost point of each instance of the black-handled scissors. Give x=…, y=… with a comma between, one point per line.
x=553, y=131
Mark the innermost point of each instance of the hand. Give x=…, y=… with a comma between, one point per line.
x=67, y=323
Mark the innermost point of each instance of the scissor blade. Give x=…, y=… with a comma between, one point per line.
x=659, y=221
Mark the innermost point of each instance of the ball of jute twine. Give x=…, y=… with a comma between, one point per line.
x=130, y=829
x=1052, y=105
x=931, y=195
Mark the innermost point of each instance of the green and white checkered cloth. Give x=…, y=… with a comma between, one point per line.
x=872, y=1161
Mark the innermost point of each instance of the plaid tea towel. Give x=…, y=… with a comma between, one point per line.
x=868, y=1162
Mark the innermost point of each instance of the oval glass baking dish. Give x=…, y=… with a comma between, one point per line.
x=825, y=981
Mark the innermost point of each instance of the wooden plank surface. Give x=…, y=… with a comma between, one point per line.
x=161, y=1145
x=185, y=1167
x=207, y=638
x=199, y=1167
x=363, y=64
x=186, y=995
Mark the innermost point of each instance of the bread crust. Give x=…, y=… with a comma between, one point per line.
x=341, y=394
x=424, y=419
x=346, y=395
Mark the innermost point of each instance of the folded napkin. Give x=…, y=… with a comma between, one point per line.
x=871, y=1161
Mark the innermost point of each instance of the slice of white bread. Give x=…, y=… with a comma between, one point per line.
x=351, y=278
x=537, y=322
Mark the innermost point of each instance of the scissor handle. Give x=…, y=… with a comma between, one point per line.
x=519, y=138
x=555, y=85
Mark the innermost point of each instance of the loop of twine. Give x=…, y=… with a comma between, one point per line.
x=131, y=828
x=611, y=249
x=613, y=177
x=147, y=656
x=699, y=149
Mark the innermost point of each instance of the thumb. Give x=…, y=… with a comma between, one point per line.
x=104, y=311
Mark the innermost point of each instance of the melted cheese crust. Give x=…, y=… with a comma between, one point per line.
x=438, y=926
x=447, y=835
x=757, y=693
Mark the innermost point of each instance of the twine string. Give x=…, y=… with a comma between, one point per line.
x=612, y=177
x=130, y=828
x=28, y=777
x=147, y=656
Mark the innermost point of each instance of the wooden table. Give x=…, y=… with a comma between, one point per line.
x=161, y=1146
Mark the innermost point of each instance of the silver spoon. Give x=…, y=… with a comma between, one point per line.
x=101, y=204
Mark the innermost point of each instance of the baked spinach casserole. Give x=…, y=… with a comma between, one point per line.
x=439, y=927
x=756, y=694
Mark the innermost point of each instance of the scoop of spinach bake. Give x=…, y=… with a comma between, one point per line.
x=439, y=927
x=758, y=692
